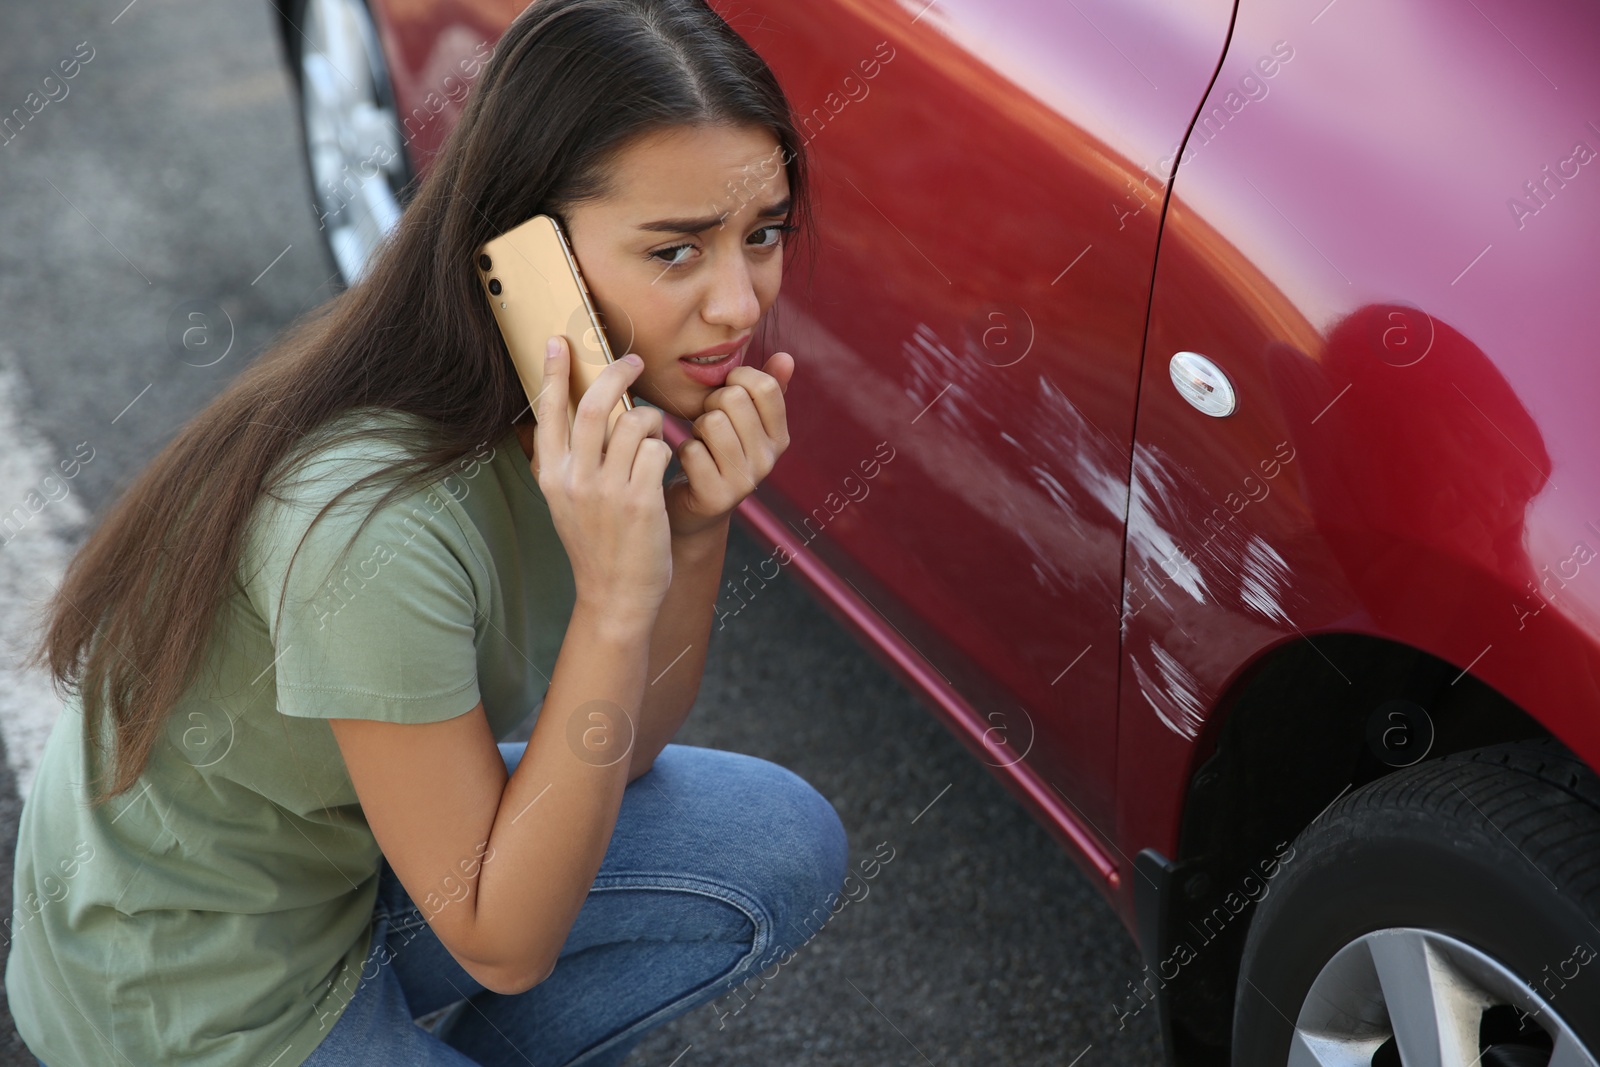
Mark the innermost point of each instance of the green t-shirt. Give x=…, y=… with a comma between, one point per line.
x=219, y=913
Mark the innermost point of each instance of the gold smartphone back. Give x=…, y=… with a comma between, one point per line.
x=542, y=294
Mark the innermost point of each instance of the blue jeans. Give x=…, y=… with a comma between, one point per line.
x=719, y=863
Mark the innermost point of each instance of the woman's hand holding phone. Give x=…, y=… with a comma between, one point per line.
x=606, y=499
x=737, y=442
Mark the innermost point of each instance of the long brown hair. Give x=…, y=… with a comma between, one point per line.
x=570, y=82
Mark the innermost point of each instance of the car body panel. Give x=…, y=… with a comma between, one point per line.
x=435, y=51
x=980, y=314
x=1413, y=456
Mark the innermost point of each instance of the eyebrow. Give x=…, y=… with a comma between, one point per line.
x=698, y=225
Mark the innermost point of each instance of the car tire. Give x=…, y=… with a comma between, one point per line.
x=1447, y=913
x=351, y=136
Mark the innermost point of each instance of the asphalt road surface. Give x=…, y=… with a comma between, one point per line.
x=171, y=172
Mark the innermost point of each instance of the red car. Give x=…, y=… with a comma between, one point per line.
x=1200, y=413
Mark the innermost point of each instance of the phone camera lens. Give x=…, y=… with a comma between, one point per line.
x=494, y=286
x=484, y=262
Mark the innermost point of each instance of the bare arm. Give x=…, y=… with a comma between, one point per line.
x=679, y=641
x=736, y=442
x=517, y=857
x=501, y=867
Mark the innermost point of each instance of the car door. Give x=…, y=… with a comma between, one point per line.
x=968, y=345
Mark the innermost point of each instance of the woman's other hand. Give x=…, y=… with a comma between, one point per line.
x=736, y=443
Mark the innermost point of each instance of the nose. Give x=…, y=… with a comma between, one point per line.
x=730, y=299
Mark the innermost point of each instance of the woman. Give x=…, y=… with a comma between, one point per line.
x=273, y=824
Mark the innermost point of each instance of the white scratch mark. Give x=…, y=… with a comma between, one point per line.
x=1069, y=463
x=1265, y=575
x=1108, y=489
x=1046, y=570
x=1179, y=703
x=1052, y=485
x=1150, y=499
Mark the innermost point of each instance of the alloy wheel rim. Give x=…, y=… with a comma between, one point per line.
x=352, y=130
x=1412, y=996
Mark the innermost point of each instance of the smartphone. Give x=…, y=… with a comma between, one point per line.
x=535, y=290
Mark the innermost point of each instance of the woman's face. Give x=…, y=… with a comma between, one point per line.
x=686, y=253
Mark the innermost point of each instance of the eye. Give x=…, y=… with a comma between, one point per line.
x=677, y=255
x=669, y=256
x=776, y=232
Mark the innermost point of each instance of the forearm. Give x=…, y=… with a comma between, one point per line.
x=679, y=640
x=559, y=808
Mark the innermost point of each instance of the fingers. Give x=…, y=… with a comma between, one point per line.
x=698, y=465
x=650, y=462
x=550, y=406
x=781, y=366
x=594, y=410
x=736, y=404
x=766, y=395
x=716, y=429
x=632, y=429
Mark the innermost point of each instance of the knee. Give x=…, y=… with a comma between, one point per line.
x=811, y=853
x=792, y=851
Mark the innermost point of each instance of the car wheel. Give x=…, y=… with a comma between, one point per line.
x=1445, y=914
x=353, y=142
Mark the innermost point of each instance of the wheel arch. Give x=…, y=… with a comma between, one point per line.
x=1289, y=736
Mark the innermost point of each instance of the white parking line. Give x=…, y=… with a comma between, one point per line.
x=34, y=549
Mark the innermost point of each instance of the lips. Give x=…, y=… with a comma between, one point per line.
x=719, y=350
x=714, y=374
